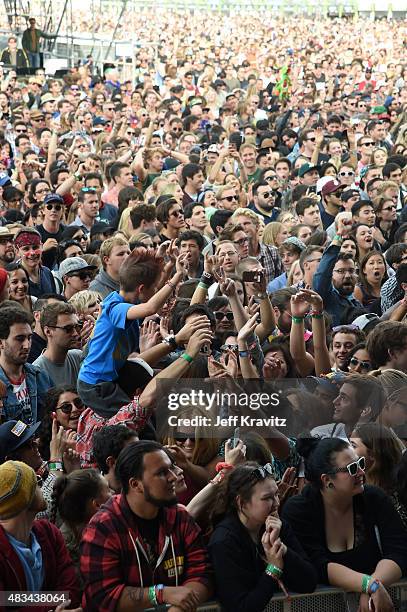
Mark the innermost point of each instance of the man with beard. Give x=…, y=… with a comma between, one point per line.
x=7, y=251
x=264, y=200
x=335, y=279
x=33, y=553
x=166, y=561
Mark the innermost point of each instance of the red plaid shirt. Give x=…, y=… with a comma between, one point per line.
x=109, y=561
x=133, y=415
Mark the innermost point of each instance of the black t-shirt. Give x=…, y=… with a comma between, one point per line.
x=49, y=257
x=149, y=529
x=38, y=344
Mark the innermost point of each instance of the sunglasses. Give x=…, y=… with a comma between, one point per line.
x=88, y=190
x=81, y=275
x=57, y=207
x=350, y=173
x=241, y=241
x=219, y=315
x=263, y=472
x=40, y=481
x=365, y=365
x=233, y=198
x=268, y=194
x=177, y=213
x=368, y=144
x=229, y=347
x=352, y=468
x=21, y=131
x=68, y=329
x=312, y=139
x=390, y=207
x=271, y=177
x=67, y=407
x=183, y=437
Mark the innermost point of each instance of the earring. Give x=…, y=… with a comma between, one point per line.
x=330, y=486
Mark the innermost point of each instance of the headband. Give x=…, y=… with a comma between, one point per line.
x=27, y=238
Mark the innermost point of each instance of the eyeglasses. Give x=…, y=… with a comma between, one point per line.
x=365, y=365
x=271, y=177
x=267, y=194
x=67, y=407
x=219, y=315
x=81, y=275
x=23, y=131
x=343, y=272
x=368, y=144
x=352, y=468
x=312, y=139
x=68, y=329
x=230, y=198
x=41, y=191
x=229, y=347
x=176, y=213
x=241, y=241
x=57, y=207
x=392, y=207
x=40, y=481
x=349, y=173
x=183, y=437
x=88, y=190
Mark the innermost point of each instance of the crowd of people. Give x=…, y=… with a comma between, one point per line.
x=234, y=218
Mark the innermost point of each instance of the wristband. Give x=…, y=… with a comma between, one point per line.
x=159, y=593
x=338, y=238
x=56, y=460
x=77, y=176
x=365, y=583
x=172, y=343
x=55, y=467
x=202, y=285
x=170, y=284
x=374, y=586
x=298, y=319
x=222, y=465
x=187, y=357
x=152, y=596
x=261, y=296
x=207, y=278
x=316, y=314
x=274, y=571
x=243, y=353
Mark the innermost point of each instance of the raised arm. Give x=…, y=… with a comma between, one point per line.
x=304, y=361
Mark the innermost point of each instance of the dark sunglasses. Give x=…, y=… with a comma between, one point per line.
x=219, y=315
x=67, y=407
x=177, y=213
x=263, y=472
x=368, y=144
x=365, y=365
x=268, y=194
x=271, y=177
x=183, y=437
x=229, y=347
x=88, y=190
x=233, y=198
x=312, y=139
x=352, y=468
x=57, y=207
x=81, y=275
x=68, y=329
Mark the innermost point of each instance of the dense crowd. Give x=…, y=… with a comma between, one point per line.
x=233, y=219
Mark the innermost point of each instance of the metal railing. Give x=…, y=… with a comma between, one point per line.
x=324, y=599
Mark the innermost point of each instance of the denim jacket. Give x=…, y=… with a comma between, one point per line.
x=38, y=382
x=334, y=303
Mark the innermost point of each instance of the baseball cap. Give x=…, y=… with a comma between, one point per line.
x=4, y=179
x=53, y=197
x=306, y=168
x=36, y=114
x=14, y=434
x=349, y=193
x=101, y=228
x=99, y=121
x=267, y=143
x=18, y=484
x=74, y=264
x=194, y=101
x=47, y=98
x=5, y=233
x=330, y=382
x=331, y=187
x=213, y=148
x=368, y=320
x=321, y=182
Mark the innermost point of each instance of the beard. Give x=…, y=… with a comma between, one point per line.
x=158, y=503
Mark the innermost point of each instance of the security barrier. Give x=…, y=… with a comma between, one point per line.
x=324, y=599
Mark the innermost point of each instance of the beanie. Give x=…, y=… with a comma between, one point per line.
x=18, y=483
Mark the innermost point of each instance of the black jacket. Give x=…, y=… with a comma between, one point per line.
x=372, y=508
x=22, y=59
x=241, y=582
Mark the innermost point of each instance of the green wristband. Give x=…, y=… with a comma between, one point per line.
x=298, y=319
x=365, y=583
x=152, y=596
x=187, y=357
x=316, y=315
x=273, y=570
x=337, y=238
x=202, y=285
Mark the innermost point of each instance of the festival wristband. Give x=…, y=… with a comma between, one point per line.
x=298, y=319
x=222, y=465
x=316, y=315
x=273, y=570
x=187, y=357
x=55, y=466
x=243, y=353
x=365, y=583
x=152, y=596
x=202, y=285
x=338, y=238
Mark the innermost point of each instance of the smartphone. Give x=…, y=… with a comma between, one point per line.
x=252, y=276
x=236, y=437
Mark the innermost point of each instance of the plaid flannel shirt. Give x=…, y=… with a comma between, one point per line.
x=133, y=415
x=113, y=554
x=270, y=259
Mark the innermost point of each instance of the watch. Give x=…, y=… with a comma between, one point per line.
x=172, y=343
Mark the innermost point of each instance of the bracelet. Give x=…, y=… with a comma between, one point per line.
x=338, y=238
x=274, y=571
x=243, y=353
x=374, y=586
x=316, y=315
x=261, y=296
x=58, y=459
x=152, y=596
x=159, y=593
x=222, y=465
x=202, y=285
x=55, y=467
x=77, y=176
x=365, y=583
x=170, y=284
x=298, y=319
x=187, y=357
x=207, y=278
